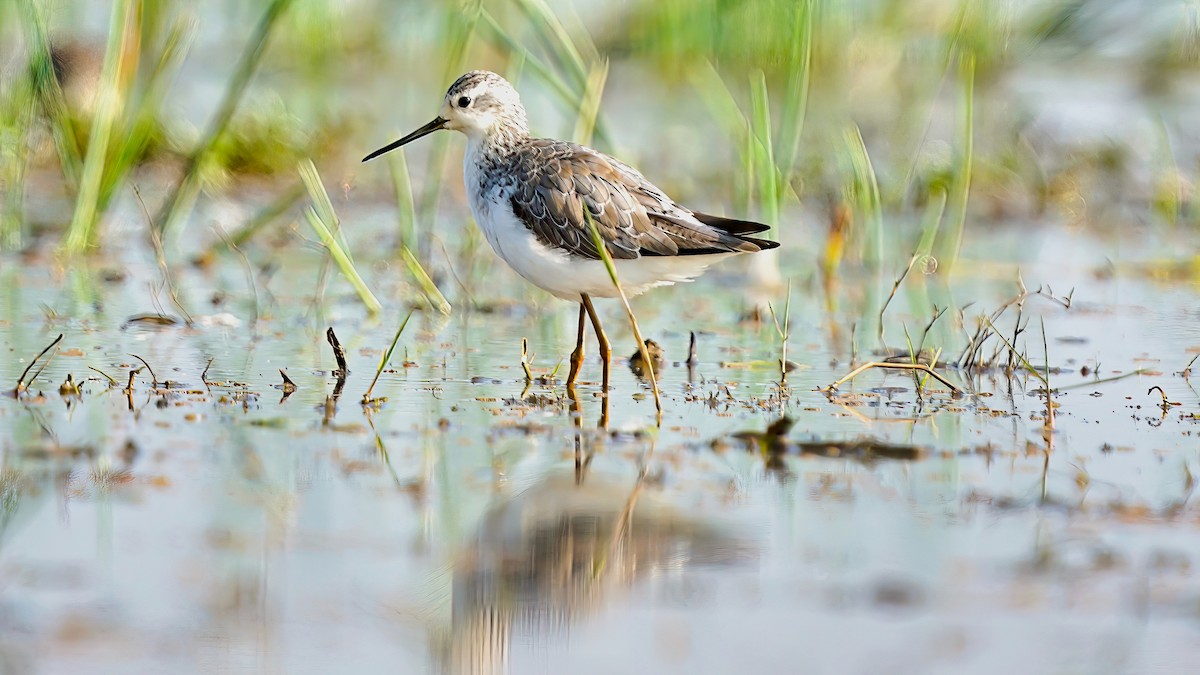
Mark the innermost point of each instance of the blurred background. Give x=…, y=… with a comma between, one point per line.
x=818, y=117
x=1003, y=189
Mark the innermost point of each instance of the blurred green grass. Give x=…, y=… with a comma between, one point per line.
x=920, y=84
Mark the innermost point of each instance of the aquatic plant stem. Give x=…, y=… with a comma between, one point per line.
x=325, y=222
x=897, y=366
x=637, y=332
x=387, y=355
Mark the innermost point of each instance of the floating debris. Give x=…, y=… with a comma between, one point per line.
x=150, y=321
x=69, y=387
x=638, y=365
x=773, y=444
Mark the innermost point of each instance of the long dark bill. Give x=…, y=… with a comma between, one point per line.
x=433, y=126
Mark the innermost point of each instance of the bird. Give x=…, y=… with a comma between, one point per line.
x=536, y=200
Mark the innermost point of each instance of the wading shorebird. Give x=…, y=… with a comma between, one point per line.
x=529, y=196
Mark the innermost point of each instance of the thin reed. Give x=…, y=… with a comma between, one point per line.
x=320, y=215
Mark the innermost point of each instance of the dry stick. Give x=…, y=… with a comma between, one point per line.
x=897, y=366
x=1166, y=404
x=22, y=385
x=967, y=359
x=129, y=387
x=1024, y=362
x=111, y=381
x=602, y=249
x=288, y=385
x=342, y=371
x=42, y=367
x=1187, y=370
x=153, y=379
x=366, y=399
x=1048, y=427
x=339, y=354
x=525, y=361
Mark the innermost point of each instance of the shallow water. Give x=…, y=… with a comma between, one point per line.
x=221, y=526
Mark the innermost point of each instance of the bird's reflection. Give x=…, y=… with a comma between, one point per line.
x=556, y=551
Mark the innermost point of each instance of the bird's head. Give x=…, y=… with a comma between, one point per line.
x=480, y=104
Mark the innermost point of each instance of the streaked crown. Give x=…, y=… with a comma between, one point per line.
x=483, y=102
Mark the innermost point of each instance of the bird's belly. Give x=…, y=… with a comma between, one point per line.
x=567, y=276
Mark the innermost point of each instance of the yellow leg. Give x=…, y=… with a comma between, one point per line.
x=577, y=355
x=601, y=339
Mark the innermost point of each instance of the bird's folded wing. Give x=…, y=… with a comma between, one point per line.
x=560, y=185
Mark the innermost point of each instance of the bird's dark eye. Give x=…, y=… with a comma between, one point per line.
x=464, y=101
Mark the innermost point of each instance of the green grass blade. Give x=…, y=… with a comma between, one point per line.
x=500, y=38
x=343, y=262
x=144, y=117
x=321, y=217
x=795, y=108
x=406, y=207
x=647, y=362
x=866, y=197
x=765, y=169
x=428, y=288
x=589, y=105
x=406, y=211
x=461, y=27
x=321, y=202
x=948, y=253
x=387, y=356
x=116, y=77
x=14, y=159
x=558, y=42
x=49, y=94
x=179, y=205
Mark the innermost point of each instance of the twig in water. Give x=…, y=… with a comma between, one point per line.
x=1021, y=357
x=22, y=385
x=111, y=381
x=288, y=386
x=897, y=366
x=203, y=375
x=132, y=375
x=1166, y=403
x=691, y=358
x=366, y=399
x=1103, y=380
x=339, y=354
x=153, y=379
x=525, y=361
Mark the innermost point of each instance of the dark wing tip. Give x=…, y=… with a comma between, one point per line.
x=730, y=225
x=762, y=244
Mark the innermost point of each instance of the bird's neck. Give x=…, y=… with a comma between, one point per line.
x=496, y=144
